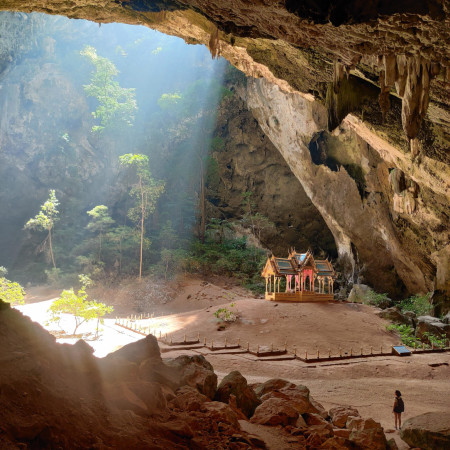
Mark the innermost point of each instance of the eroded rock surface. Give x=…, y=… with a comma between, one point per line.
x=429, y=431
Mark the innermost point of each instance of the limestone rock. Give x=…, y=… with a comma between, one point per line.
x=188, y=399
x=340, y=414
x=139, y=351
x=220, y=412
x=446, y=318
x=441, y=303
x=358, y=423
x=143, y=398
x=372, y=438
x=429, y=324
x=394, y=315
x=270, y=385
x=113, y=369
x=358, y=293
x=342, y=432
x=318, y=434
x=275, y=411
x=197, y=372
x=314, y=419
x=235, y=384
x=336, y=443
x=429, y=431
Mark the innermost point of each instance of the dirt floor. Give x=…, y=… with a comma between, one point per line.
x=187, y=309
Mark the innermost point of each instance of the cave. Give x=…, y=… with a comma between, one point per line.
x=333, y=125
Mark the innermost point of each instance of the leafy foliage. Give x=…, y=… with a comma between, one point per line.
x=436, y=341
x=146, y=193
x=227, y=315
x=77, y=304
x=101, y=221
x=117, y=105
x=419, y=304
x=11, y=292
x=406, y=334
x=45, y=220
x=231, y=257
x=376, y=299
x=256, y=221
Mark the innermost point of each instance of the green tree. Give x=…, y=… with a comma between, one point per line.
x=146, y=192
x=117, y=105
x=257, y=222
x=123, y=238
x=77, y=304
x=11, y=292
x=45, y=220
x=100, y=223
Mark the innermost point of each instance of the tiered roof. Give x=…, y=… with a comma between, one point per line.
x=279, y=267
x=324, y=268
x=295, y=263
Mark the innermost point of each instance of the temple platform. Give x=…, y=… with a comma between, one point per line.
x=300, y=297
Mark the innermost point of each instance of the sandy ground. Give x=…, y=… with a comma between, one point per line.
x=367, y=384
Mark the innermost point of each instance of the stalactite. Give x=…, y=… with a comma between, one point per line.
x=214, y=44
x=338, y=75
x=416, y=96
x=383, y=99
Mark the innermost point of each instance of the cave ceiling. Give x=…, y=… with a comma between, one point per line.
x=380, y=69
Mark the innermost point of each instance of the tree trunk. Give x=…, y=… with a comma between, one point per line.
x=142, y=227
x=51, y=247
x=202, y=204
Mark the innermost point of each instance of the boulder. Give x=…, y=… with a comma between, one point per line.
x=395, y=315
x=373, y=439
x=391, y=444
x=314, y=419
x=337, y=443
x=342, y=432
x=188, y=399
x=233, y=405
x=143, y=398
x=427, y=431
x=220, y=412
x=271, y=385
x=358, y=423
x=446, y=318
x=301, y=423
x=318, y=408
x=115, y=369
x=150, y=370
x=275, y=411
x=139, y=351
x=340, y=414
x=317, y=434
x=299, y=398
x=440, y=299
x=429, y=324
x=235, y=384
x=358, y=293
x=197, y=372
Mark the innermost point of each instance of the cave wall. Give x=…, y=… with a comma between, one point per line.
x=354, y=194
x=310, y=51
x=249, y=161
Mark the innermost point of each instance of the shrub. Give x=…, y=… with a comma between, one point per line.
x=11, y=292
x=77, y=304
x=406, y=334
x=419, y=304
x=227, y=315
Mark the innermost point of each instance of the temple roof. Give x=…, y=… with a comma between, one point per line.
x=325, y=269
x=295, y=263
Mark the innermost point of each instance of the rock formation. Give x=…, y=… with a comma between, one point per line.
x=360, y=71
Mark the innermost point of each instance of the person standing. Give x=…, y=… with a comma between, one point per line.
x=398, y=408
